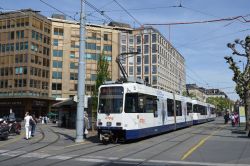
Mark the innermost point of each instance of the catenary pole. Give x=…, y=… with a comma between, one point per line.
x=81, y=78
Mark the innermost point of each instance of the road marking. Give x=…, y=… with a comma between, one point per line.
x=202, y=141
x=92, y=160
x=3, y=151
x=194, y=163
x=76, y=144
x=12, y=153
x=13, y=140
x=105, y=159
x=131, y=159
x=61, y=157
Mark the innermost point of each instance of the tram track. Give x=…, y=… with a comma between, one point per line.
x=174, y=136
x=36, y=149
x=151, y=146
x=115, y=146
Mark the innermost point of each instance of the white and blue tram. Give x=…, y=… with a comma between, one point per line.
x=130, y=111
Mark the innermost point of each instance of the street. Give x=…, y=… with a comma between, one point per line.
x=208, y=144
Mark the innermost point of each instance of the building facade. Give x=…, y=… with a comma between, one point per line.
x=196, y=92
x=157, y=61
x=25, y=62
x=215, y=93
x=100, y=40
x=39, y=59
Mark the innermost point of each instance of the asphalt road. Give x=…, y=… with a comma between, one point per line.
x=211, y=143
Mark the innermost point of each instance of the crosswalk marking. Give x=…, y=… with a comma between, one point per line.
x=36, y=155
x=104, y=159
x=3, y=151
x=12, y=153
x=61, y=157
x=92, y=160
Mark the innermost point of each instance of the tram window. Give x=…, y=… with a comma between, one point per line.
x=151, y=104
x=170, y=106
x=130, y=100
x=140, y=103
x=178, y=108
x=212, y=111
x=111, y=100
x=196, y=109
x=189, y=108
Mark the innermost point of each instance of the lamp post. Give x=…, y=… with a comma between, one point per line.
x=81, y=79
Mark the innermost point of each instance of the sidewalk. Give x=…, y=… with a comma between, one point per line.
x=67, y=135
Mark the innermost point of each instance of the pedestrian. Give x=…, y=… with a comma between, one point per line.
x=236, y=118
x=42, y=120
x=45, y=120
x=226, y=117
x=232, y=120
x=86, y=124
x=33, y=125
x=28, y=120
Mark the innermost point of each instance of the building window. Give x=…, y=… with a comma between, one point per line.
x=154, y=80
x=57, y=53
x=91, y=46
x=154, y=38
x=73, y=65
x=154, y=69
x=154, y=50
x=55, y=42
x=56, y=86
x=57, y=64
x=58, y=31
x=146, y=49
x=72, y=55
x=138, y=39
x=73, y=76
x=107, y=48
x=57, y=75
x=93, y=77
x=138, y=49
x=105, y=38
x=146, y=61
x=123, y=38
x=146, y=39
x=146, y=69
x=138, y=70
x=138, y=60
x=131, y=70
x=131, y=40
x=154, y=58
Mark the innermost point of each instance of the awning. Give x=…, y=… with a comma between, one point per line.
x=68, y=102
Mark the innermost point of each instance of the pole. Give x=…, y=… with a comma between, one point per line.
x=81, y=79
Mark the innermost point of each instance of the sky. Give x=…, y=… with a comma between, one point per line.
x=202, y=45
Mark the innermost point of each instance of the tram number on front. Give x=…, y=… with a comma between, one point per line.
x=141, y=120
x=109, y=118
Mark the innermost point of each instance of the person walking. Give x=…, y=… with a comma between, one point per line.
x=28, y=120
x=33, y=125
x=86, y=124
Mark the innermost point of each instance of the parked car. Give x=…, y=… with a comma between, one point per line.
x=4, y=129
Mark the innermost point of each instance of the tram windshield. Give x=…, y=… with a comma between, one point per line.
x=111, y=100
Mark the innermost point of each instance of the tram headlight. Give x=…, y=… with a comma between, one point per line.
x=99, y=123
x=118, y=123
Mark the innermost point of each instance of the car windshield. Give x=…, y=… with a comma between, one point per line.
x=111, y=100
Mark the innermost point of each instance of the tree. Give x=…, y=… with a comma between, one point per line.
x=242, y=78
x=102, y=74
x=220, y=103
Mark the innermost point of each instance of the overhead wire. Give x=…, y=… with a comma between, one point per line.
x=128, y=13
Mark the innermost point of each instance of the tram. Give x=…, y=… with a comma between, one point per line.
x=132, y=110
